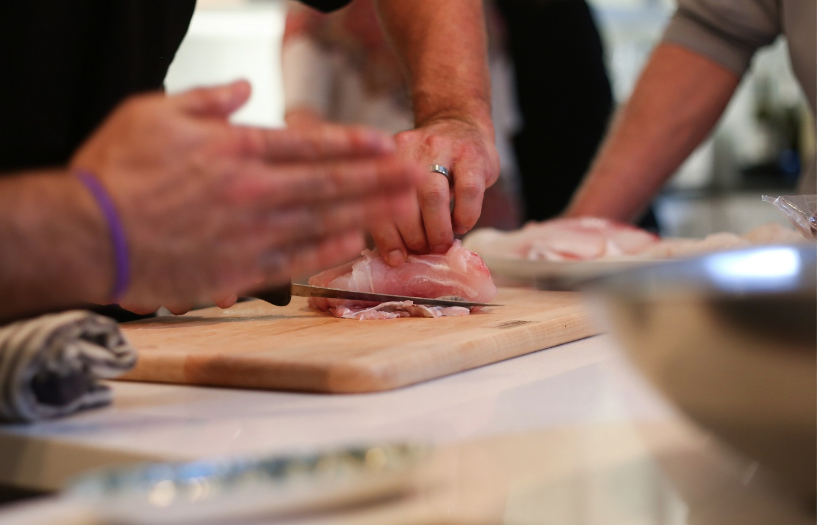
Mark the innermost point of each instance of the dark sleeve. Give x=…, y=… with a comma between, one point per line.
x=326, y=5
x=725, y=31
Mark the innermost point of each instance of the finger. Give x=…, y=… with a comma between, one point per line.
x=409, y=222
x=389, y=242
x=179, y=308
x=469, y=187
x=302, y=184
x=295, y=228
x=279, y=266
x=309, y=259
x=308, y=224
x=225, y=300
x=316, y=143
x=217, y=101
x=433, y=197
x=139, y=308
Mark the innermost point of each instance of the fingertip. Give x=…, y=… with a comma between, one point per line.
x=227, y=301
x=395, y=258
x=238, y=93
x=179, y=309
x=139, y=309
x=242, y=88
x=215, y=101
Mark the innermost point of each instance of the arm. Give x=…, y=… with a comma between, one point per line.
x=442, y=45
x=55, y=250
x=684, y=89
x=207, y=208
x=677, y=101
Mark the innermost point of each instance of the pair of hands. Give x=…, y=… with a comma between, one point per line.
x=210, y=208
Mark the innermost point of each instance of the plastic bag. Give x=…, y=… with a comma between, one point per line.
x=800, y=210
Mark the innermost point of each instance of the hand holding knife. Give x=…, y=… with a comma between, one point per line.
x=281, y=296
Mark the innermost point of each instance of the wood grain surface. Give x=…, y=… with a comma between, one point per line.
x=257, y=345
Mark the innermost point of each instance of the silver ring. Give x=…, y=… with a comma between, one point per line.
x=443, y=170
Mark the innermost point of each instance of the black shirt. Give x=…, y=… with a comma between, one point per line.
x=65, y=64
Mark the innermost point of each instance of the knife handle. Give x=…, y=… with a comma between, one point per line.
x=279, y=295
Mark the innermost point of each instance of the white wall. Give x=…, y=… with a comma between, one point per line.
x=231, y=40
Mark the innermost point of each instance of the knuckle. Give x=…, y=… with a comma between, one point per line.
x=403, y=139
x=436, y=142
x=470, y=189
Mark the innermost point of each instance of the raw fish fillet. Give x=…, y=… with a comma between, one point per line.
x=599, y=239
x=395, y=309
x=678, y=248
x=457, y=273
x=771, y=233
x=579, y=239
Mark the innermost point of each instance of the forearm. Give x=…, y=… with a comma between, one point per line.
x=442, y=46
x=54, y=250
x=677, y=101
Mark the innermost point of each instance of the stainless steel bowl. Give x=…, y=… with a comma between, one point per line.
x=730, y=338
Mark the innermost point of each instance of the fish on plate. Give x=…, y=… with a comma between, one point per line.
x=571, y=239
x=592, y=239
x=457, y=273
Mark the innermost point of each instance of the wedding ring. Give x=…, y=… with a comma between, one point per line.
x=443, y=170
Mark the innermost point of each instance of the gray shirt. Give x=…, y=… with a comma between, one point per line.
x=729, y=32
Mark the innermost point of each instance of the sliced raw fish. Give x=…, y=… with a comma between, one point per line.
x=600, y=239
x=457, y=273
x=576, y=239
x=395, y=309
x=771, y=233
x=678, y=248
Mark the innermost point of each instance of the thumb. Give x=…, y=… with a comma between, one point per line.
x=217, y=101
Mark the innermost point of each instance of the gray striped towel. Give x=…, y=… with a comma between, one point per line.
x=50, y=366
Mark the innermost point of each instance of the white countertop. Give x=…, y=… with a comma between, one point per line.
x=615, y=441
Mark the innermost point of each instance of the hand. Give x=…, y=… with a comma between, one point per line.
x=467, y=149
x=211, y=209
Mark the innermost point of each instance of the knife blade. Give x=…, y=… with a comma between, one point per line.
x=280, y=296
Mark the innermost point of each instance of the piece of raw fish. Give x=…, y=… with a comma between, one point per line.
x=457, y=273
x=771, y=233
x=587, y=239
x=395, y=309
x=576, y=239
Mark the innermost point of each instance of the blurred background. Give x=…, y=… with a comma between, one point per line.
x=757, y=148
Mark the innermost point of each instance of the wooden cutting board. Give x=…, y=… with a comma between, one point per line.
x=257, y=345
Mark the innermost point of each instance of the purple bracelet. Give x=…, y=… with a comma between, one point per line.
x=122, y=275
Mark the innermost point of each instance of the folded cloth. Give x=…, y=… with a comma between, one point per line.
x=50, y=366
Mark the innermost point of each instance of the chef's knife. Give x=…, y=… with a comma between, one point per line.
x=280, y=296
